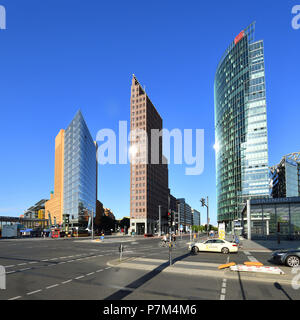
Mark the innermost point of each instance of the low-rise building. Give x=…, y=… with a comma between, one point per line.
x=270, y=218
x=36, y=211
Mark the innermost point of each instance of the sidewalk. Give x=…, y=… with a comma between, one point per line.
x=267, y=245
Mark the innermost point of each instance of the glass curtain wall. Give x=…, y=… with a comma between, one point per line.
x=240, y=126
x=79, y=172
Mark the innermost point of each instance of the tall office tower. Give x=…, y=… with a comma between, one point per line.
x=148, y=180
x=285, y=177
x=240, y=126
x=75, y=189
x=54, y=206
x=80, y=171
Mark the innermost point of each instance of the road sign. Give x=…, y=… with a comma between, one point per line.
x=222, y=231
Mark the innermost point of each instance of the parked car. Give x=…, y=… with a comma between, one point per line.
x=148, y=235
x=290, y=257
x=214, y=245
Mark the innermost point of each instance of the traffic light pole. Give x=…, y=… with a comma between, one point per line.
x=159, y=212
x=92, y=224
x=207, y=206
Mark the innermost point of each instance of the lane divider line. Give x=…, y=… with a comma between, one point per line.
x=33, y=292
x=54, y=285
x=67, y=281
x=15, y=298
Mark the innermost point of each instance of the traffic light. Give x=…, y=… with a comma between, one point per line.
x=169, y=218
x=202, y=202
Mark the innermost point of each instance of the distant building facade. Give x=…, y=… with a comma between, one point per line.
x=37, y=211
x=185, y=217
x=196, y=217
x=285, y=177
x=109, y=213
x=54, y=206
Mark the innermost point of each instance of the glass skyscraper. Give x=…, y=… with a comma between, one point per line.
x=240, y=126
x=80, y=171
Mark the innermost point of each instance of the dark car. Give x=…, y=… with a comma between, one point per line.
x=148, y=235
x=289, y=257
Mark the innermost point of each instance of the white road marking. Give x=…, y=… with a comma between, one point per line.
x=15, y=298
x=99, y=270
x=33, y=262
x=21, y=264
x=10, y=272
x=29, y=293
x=79, y=277
x=252, y=259
x=25, y=269
x=222, y=297
x=9, y=266
x=64, y=282
x=88, y=274
x=54, y=285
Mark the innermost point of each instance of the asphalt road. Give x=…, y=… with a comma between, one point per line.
x=50, y=269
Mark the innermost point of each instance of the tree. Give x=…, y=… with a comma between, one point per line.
x=196, y=228
x=125, y=223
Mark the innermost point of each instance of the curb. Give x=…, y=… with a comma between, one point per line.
x=231, y=275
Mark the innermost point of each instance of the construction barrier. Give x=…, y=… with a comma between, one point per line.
x=262, y=269
x=253, y=264
x=227, y=265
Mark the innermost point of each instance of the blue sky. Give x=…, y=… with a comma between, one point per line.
x=59, y=56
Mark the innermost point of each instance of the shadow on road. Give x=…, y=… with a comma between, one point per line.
x=242, y=287
x=122, y=293
x=279, y=287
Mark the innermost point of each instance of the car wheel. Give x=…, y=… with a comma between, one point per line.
x=225, y=250
x=293, y=261
x=195, y=250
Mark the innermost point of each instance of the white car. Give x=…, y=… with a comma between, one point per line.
x=214, y=245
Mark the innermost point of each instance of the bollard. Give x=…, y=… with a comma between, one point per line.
x=170, y=253
x=2, y=278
